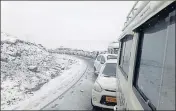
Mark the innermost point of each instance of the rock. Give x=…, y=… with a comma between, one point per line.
x=82, y=90
x=56, y=68
x=4, y=59
x=18, y=54
x=30, y=92
x=53, y=76
x=33, y=68
x=62, y=68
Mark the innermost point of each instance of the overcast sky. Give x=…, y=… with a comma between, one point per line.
x=89, y=25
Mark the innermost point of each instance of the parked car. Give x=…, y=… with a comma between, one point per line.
x=101, y=60
x=104, y=89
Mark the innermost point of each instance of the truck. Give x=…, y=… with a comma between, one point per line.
x=113, y=48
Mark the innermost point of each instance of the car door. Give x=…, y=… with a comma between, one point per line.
x=101, y=63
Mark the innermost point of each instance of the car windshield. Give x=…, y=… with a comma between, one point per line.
x=110, y=69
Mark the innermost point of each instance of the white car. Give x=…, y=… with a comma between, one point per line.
x=101, y=60
x=104, y=89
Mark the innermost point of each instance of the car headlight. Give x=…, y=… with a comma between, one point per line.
x=97, y=87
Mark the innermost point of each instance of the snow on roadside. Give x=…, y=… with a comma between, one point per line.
x=26, y=67
x=54, y=88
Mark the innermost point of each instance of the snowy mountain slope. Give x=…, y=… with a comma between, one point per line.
x=78, y=52
x=25, y=68
x=54, y=88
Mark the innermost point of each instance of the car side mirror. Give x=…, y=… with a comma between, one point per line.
x=96, y=72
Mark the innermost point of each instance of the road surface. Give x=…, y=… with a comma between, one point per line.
x=77, y=97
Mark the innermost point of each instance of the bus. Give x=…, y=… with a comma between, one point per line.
x=146, y=58
x=113, y=48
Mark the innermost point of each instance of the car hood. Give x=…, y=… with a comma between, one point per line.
x=107, y=82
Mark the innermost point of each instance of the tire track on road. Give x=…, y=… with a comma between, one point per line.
x=66, y=90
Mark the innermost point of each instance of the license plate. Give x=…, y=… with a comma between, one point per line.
x=110, y=99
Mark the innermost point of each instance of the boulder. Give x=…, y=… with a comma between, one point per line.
x=33, y=68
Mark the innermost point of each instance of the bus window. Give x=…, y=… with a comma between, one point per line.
x=167, y=98
x=125, y=53
x=156, y=67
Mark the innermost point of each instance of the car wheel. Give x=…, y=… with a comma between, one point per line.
x=94, y=70
x=91, y=102
x=94, y=108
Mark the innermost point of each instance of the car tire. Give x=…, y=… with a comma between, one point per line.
x=91, y=102
x=94, y=108
x=94, y=70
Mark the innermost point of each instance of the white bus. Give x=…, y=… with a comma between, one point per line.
x=146, y=58
x=113, y=48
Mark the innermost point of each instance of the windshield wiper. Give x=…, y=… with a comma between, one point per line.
x=106, y=76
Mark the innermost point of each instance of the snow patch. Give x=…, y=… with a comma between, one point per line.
x=7, y=37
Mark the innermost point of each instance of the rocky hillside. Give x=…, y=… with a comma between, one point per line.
x=25, y=67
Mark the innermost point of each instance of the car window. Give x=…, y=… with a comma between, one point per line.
x=103, y=59
x=111, y=57
x=110, y=69
x=125, y=53
x=115, y=50
x=98, y=58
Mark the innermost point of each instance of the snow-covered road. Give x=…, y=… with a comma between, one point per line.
x=77, y=97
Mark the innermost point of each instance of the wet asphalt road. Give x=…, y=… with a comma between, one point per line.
x=77, y=97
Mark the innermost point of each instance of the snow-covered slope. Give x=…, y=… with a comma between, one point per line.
x=78, y=52
x=8, y=38
x=25, y=67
